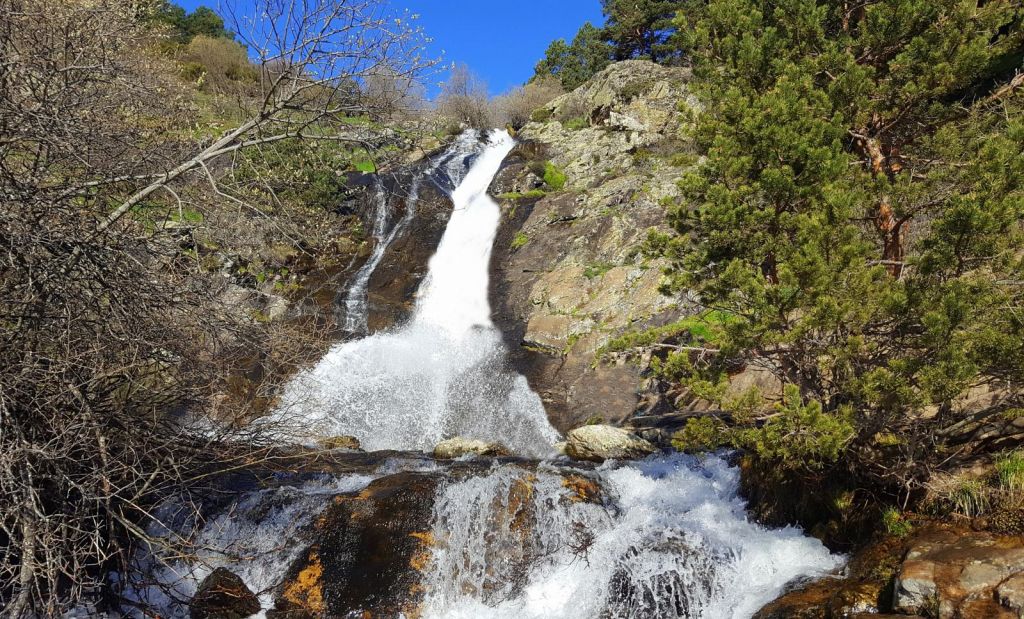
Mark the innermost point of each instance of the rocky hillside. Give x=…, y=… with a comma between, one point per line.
x=579, y=195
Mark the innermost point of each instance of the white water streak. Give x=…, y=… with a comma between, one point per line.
x=444, y=373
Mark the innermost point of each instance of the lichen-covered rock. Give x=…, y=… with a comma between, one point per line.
x=953, y=573
x=223, y=595
x=598, y=443
x=458, y=446
x=567, y=274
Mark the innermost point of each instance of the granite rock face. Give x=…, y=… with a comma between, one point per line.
x=567, y=276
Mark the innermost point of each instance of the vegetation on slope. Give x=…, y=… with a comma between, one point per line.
x=160, y=182
x=856, y=216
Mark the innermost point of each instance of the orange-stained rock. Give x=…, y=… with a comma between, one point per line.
x=369, y=551
x=584, y=489
x=953, y=573
x=305, y=590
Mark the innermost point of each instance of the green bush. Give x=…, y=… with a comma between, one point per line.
x=576, y=123
x=541, y=115
x=1010, y=471
x=519, y=240
x=895, y=523
x=597, y=270
x=553, y=177
x=701, y=434
x=636, y=89
x=302, y=173
x=803, y=435
x=706, y=327
x=515, y=195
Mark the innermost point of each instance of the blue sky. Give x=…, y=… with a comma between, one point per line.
x=500, y=40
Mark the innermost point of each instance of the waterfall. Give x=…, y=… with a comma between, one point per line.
x=356, y=310
x=444, y=373
x=669, y=539
x=663, y=538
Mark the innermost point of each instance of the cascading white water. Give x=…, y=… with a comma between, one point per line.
x=670, y=539
x=355, y=299
x=356, y=302
x=445, y=372
x=662, y=538
x=252, y=537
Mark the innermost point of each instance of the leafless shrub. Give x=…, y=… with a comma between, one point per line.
x=516, y=107
x=392, y=96
x=113, y=340
x=464, y=99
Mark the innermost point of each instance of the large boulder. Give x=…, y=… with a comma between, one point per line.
x=223, y=595
x=367, y=553
x=949, y=573
x=458, y=446
x=598, y=443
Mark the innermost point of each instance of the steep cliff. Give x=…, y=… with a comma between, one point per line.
x=579, y=195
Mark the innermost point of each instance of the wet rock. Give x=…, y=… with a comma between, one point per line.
x=459, y=446
x=950, y=573
x=598, y=443
x=584, y=489
x=368, y=552
x=679, y=592
x=223, y=595
x=339, y=442
x=826, y=598
x=393, y=284
x=863, y=588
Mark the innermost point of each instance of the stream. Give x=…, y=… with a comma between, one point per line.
x=395, y=533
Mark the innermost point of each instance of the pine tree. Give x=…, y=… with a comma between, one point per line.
x=858, y=217
x=640, y=28
x=576, y=63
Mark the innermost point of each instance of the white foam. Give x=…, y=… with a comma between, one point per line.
x=257, y=537
x=672, y=541
x=444, y=373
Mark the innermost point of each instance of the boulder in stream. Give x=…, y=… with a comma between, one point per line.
x=459, y=446
x=598, y=443
x=223, y=595
x=367, y=555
